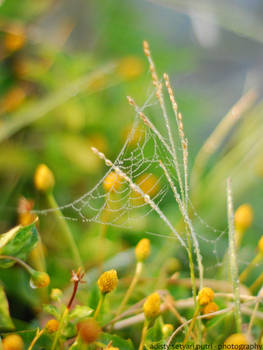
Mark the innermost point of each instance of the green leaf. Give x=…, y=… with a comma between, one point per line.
x=6, y=322
x=17, y=242
x=51, y=310
x=79, y=313
x=117, y=341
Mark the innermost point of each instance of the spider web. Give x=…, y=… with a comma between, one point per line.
x=121, y=207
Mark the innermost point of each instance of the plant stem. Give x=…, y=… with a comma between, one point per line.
x=233, y=258
x=189, y=330
x=258, y=282
x=65, y=230
x=18, y=261
x=37, y=336
x=143, y=336
x=60, y=328
x=134, y=281
x=100, y=303
x=252, y=264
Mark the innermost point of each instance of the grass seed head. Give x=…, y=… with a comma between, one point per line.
x=152, y=306
x=108, y=281
x=143, y=249
x=205, y=296
x=13, y=342
x=44, y=179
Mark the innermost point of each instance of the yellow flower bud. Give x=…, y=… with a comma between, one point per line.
x=112, y=182
x=243, y=217
x=205, y=296
x=152, y=306
x=237, y=339
x=260, y=245
x=108, y=281
x=44, y=179
x=15, y=39
x=13, y=342
x=143, y=249
x=209, y=308
x=167, y=330
x=52, y=326
x=56, y=294
x=149, y=184
x=130, y=67
x=113, y=348
x=39, y=279
x=89, y=331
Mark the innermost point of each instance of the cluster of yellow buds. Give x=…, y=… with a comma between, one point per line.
x=13, y=342
x=89, y=331
x=108, y=281
x=143, y=249
x=205, y=296
x=210, y=308
x=44, y=179
x=237, y=339
x=152, y=306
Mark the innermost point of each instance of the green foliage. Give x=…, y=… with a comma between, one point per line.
x=6, y=322
x=18, y=242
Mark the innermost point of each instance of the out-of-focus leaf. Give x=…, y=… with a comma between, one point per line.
x=6, y=322
x=118, y=342
x=79, y=313
x=17, y=242
x=52, y=310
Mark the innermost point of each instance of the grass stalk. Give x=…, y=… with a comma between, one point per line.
x=65, y=230
x=233, y=257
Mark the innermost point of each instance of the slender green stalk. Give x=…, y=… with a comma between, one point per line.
x=258, y=283
x=143, y=336
x=60, y=328
x=189, y=330
x=100, y=303
x=37, y=336
x=233, y=257
x=65, y=230
x=251, y=265
x=253, y=316
x=134, y=281
x=18, y=261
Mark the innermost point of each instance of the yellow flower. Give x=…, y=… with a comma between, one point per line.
x=130, y=67
x=149, y=184
x=243, y=217
x=108, y=281
x=56, y=294
x=12, y=99
x=112, y=182
x=113, y=348
x=167, y=329
x=89, y=331
x=237, y=339
x=39, y=279
x=13, y=342
x=260, y=245
x=205, y=296
x=209, y=308
x=52, y=326
x=15, y=39
x=143, y=249
x=44, y=179
x=152, y=306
